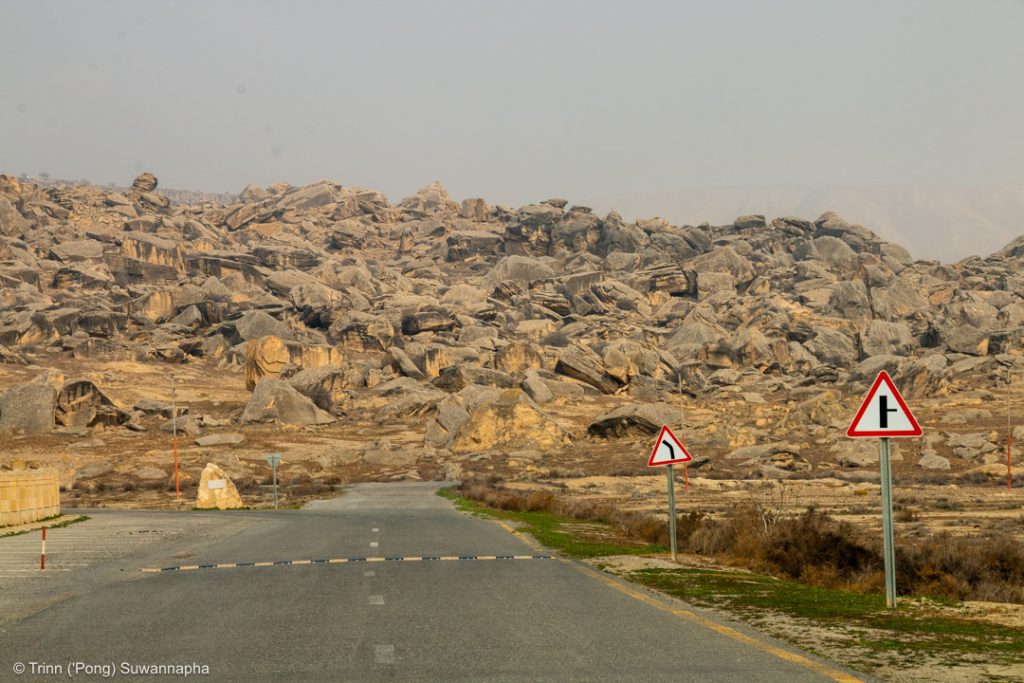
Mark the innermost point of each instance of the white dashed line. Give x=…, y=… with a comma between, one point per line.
x=375, y=530
x=369, y=572
x=384, y=654
x=374, y=544
x=376, y=600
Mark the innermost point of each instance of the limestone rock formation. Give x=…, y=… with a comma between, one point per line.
x=275, y=400
x=27, y=408
x=508, y=422
x=216, y=490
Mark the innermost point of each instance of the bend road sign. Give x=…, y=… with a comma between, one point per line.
x=668, y=450
x=883, y=413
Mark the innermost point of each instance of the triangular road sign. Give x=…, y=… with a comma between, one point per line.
x=668, y=450
x=884, y=412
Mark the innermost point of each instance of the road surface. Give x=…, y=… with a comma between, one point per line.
x=353, y=619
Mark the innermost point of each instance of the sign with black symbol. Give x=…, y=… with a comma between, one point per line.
x=884, y=412
x=668, y=450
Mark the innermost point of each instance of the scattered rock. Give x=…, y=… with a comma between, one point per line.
x=225, y=439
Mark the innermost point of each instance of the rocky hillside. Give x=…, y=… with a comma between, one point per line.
x=545, y=331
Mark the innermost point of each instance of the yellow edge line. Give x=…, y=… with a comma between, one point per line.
x=150, y=569
x=301, y=562
x=338, y=560
x=818, y=667
x=263, y=564
x=188, y=567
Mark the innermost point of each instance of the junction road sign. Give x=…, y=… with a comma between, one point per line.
x=883, y=412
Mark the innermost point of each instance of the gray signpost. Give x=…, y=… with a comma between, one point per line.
x=273, y=459
x=884, y=414
x=672, y=512
x=667, y=451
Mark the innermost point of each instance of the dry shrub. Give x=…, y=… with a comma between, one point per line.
x=816, y=540
x=964, y=568
x=810, y=547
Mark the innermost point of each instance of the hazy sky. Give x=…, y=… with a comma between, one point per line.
x=515, y=101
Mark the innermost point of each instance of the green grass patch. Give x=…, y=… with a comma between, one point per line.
x=59, y=525
x=912, y=630
x=571, y=537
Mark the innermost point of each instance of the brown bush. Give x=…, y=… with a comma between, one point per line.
x=810, y=547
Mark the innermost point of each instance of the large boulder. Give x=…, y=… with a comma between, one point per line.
x=326, y=386
x=268, y=356
x=586, y=366
x=723, y=260
x=80, y=403
x=633, y=419
x=432, y=199
x=253, y=325
x=277, y=401
x=518, y=269
x=27, y=408
x=509, y=422
x=11, y=221
x=216, y=490
x=882, y=337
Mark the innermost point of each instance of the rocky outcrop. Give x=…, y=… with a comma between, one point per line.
x=511, y=421
x=27, y=409
x=216, y=490
x=276, y=401
x=269, y=356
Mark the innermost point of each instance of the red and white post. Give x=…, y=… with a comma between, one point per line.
x=42, y=556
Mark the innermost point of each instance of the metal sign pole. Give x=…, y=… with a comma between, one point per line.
x=889, y=546
x=274, y=468
x=672, y=511
x=174, y=439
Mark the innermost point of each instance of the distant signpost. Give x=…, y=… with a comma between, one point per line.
x=884, y=414
x=668, y=450
x=273, y=460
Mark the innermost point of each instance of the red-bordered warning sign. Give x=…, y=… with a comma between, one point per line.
x=884, y=412
x=668, y=450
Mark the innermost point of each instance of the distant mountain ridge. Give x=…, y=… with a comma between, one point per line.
x=933, y=222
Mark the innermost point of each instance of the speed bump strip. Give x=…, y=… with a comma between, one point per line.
x=346, y=560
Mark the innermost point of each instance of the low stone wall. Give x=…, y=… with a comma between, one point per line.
x=28, y=495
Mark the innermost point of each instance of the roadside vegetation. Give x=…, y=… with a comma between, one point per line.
x=58, y=525
x=809, y=547
x=804, y=578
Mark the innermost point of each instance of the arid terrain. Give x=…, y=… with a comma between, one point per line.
x=543, y=346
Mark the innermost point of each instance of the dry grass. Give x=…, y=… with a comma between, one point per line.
x=811, y=547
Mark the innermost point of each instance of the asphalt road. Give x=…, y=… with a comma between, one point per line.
x=409, y=620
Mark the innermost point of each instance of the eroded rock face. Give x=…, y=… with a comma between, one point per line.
x=27, y=408
x=634, y=419
x=509, y=422
x=268, y=356
x=81, y=403
x=274, y=400
x=216, y=490
x=339, y=303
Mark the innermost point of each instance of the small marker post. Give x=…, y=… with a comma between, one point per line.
x=273, y=460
